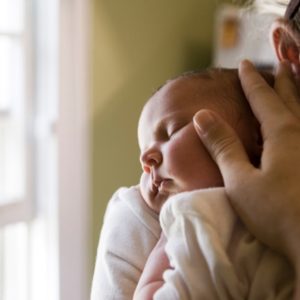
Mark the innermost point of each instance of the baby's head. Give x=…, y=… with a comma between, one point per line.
x=172, y=155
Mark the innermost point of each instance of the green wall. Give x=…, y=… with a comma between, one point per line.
x=137, y=45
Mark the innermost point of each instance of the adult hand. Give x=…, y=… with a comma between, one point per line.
x=266, y=198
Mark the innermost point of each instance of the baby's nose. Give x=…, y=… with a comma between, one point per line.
x=150, y=158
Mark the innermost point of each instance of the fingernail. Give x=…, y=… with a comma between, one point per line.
x=204, y=120
x=244, y=66
x=245, y=63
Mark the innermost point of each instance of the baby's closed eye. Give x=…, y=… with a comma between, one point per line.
x=175, y=127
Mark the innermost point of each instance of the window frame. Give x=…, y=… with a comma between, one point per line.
x=75, y=267
x=72, y=131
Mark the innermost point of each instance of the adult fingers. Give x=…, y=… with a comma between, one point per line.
x=223, y=145
x=263, y=99
x=285, y=86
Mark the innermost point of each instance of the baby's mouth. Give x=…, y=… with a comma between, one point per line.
x=154, y=189
x=161, y=186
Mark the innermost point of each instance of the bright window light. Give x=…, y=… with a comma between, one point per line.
x=28, y=150
x=12, y=115
x=12, y=15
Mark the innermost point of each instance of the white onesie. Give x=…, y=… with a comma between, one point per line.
x=129, y=233
x=214, y=256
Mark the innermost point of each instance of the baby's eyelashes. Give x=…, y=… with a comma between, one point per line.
x=174, y=128
x=172, y=131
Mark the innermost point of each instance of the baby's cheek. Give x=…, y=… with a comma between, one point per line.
x=183, y=150
x=191, y=163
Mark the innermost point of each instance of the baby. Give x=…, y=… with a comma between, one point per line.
x=172, y=156
x=210, y=262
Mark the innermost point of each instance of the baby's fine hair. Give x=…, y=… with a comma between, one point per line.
x=229, y=93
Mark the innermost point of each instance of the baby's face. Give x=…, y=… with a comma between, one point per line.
x=172, y=155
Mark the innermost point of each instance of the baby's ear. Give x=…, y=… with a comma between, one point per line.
x=286, y=41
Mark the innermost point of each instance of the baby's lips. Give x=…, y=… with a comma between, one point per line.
x=146, y=169
x=155, y=189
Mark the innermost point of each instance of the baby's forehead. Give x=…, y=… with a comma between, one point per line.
x=204, y=91
x=207, y=80
x=198, y=88
x=217, y=90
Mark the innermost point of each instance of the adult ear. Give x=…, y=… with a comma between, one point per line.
x=286, y=42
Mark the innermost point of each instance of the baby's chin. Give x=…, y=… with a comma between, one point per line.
x=156, y=201
x=156, y=196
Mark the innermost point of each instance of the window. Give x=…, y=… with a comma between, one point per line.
x=28, y=151
x=44, y=253
x=15, y=112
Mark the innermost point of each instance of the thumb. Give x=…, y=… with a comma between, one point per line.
x=223, y=144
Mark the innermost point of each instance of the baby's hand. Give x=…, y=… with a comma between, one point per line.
x=152, y=277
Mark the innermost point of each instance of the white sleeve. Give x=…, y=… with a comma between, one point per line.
x=128, y=235
x=214, y=256
x=198, y=226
